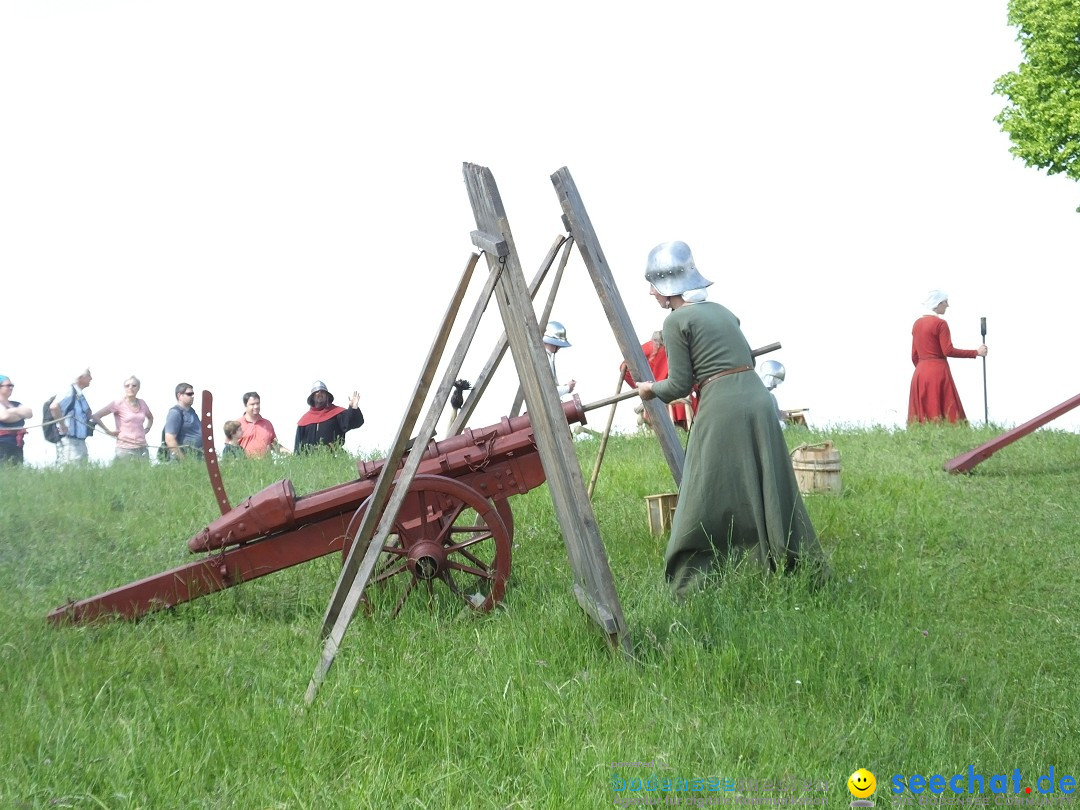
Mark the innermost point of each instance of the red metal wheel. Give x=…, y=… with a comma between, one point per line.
x=444, y=532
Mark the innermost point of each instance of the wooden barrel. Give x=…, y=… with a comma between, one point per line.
x=817, y=468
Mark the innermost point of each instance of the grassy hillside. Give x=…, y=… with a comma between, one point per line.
x=948, y=638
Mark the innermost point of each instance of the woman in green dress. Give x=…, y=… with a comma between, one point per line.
x=739, y=497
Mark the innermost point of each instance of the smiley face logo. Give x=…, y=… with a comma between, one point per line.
x=861, y=783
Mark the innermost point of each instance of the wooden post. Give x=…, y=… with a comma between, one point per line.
x=604, y=439
x=355, y=573
x=594, y=587
x=581, y=229
x=519, y=398
x=501, y=345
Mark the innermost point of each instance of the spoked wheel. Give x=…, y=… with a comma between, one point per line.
x=445, y=532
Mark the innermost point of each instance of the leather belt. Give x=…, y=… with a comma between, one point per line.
x=720, y=374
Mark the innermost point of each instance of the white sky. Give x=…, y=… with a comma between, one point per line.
x=252, y=195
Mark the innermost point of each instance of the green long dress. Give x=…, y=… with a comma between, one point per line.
x=739, y=497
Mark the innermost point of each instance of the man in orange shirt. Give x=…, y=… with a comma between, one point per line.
x=257, y=435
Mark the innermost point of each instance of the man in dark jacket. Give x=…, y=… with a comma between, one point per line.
x=326, y=423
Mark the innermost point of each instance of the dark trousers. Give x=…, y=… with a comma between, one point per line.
x=10, y=454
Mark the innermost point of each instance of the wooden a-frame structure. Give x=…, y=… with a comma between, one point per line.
x=593, y=586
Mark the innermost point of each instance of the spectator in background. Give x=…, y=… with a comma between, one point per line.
x=555, y=339
x=183, y=432
x=133, y=421
x=74, y=419
x=232, y=448
x=656, y=355
x=13, y=416
x=326, y=423
x=257, y=435
x=933, y=396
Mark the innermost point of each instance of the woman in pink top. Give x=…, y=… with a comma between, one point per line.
x=133, y=421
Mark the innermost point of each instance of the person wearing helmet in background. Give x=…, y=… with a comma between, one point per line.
x=555, y=339
x=772, y=374
x=325, y=423
x=739, y=498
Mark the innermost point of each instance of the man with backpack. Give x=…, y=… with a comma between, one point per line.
x=73, y=419
x=183, y=432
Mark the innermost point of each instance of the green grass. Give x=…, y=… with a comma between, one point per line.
x=947, y=638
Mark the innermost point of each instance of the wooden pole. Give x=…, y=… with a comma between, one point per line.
x=604, y=439
x=519, y=397
x=594, y=586
x=607, y=291
x=355, y=573
x=501, y=345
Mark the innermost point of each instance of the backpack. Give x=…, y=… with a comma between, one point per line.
x=48, y=426
x=163, y=453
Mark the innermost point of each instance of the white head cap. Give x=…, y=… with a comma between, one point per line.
x=934, y=298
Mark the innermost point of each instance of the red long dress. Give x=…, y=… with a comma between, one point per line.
x=933, y=394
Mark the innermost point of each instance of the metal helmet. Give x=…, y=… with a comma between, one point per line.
x=672, y=271
x=555, y=335
x=771, y=373
x=319, y=385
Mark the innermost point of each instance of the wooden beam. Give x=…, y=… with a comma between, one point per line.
x=356, y=573
x=519, y=398
x=480, y=384
x=574, y=512
x=966, y=461
x=585, y=237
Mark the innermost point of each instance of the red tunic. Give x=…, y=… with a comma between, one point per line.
x=656, y=354
x=933, y=394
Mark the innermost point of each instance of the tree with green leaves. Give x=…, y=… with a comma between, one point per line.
x=1043, y=119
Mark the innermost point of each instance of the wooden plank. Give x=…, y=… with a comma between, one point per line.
x=356, y=573
x=519, y=398
x=585, y=237
x=480, y=384
x=967, y=461
x=566, y=484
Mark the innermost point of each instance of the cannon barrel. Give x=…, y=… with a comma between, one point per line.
x=277, y=509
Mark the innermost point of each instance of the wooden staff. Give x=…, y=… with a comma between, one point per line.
x=986, y=406
x=604, y=439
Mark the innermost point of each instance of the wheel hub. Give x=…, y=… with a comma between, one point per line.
x=426, y=560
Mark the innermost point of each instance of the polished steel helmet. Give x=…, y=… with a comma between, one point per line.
x=672, y=271
x=555, y=335
x=771, y=373
x=319, y=385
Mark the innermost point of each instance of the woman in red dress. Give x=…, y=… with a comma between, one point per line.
x=933, y=394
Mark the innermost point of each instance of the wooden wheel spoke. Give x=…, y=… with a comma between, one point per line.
x=388, y=572
x=401, y=602
x=464, y=544
x=480, y=573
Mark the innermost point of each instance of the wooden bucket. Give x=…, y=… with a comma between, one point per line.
x=661, y=508
x=817, y=468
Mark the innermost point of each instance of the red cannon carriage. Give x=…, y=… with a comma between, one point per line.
x=454, y=527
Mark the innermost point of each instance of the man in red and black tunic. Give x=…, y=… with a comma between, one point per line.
x=326, y=423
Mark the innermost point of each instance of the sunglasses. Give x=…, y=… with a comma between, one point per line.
x=188, y=393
